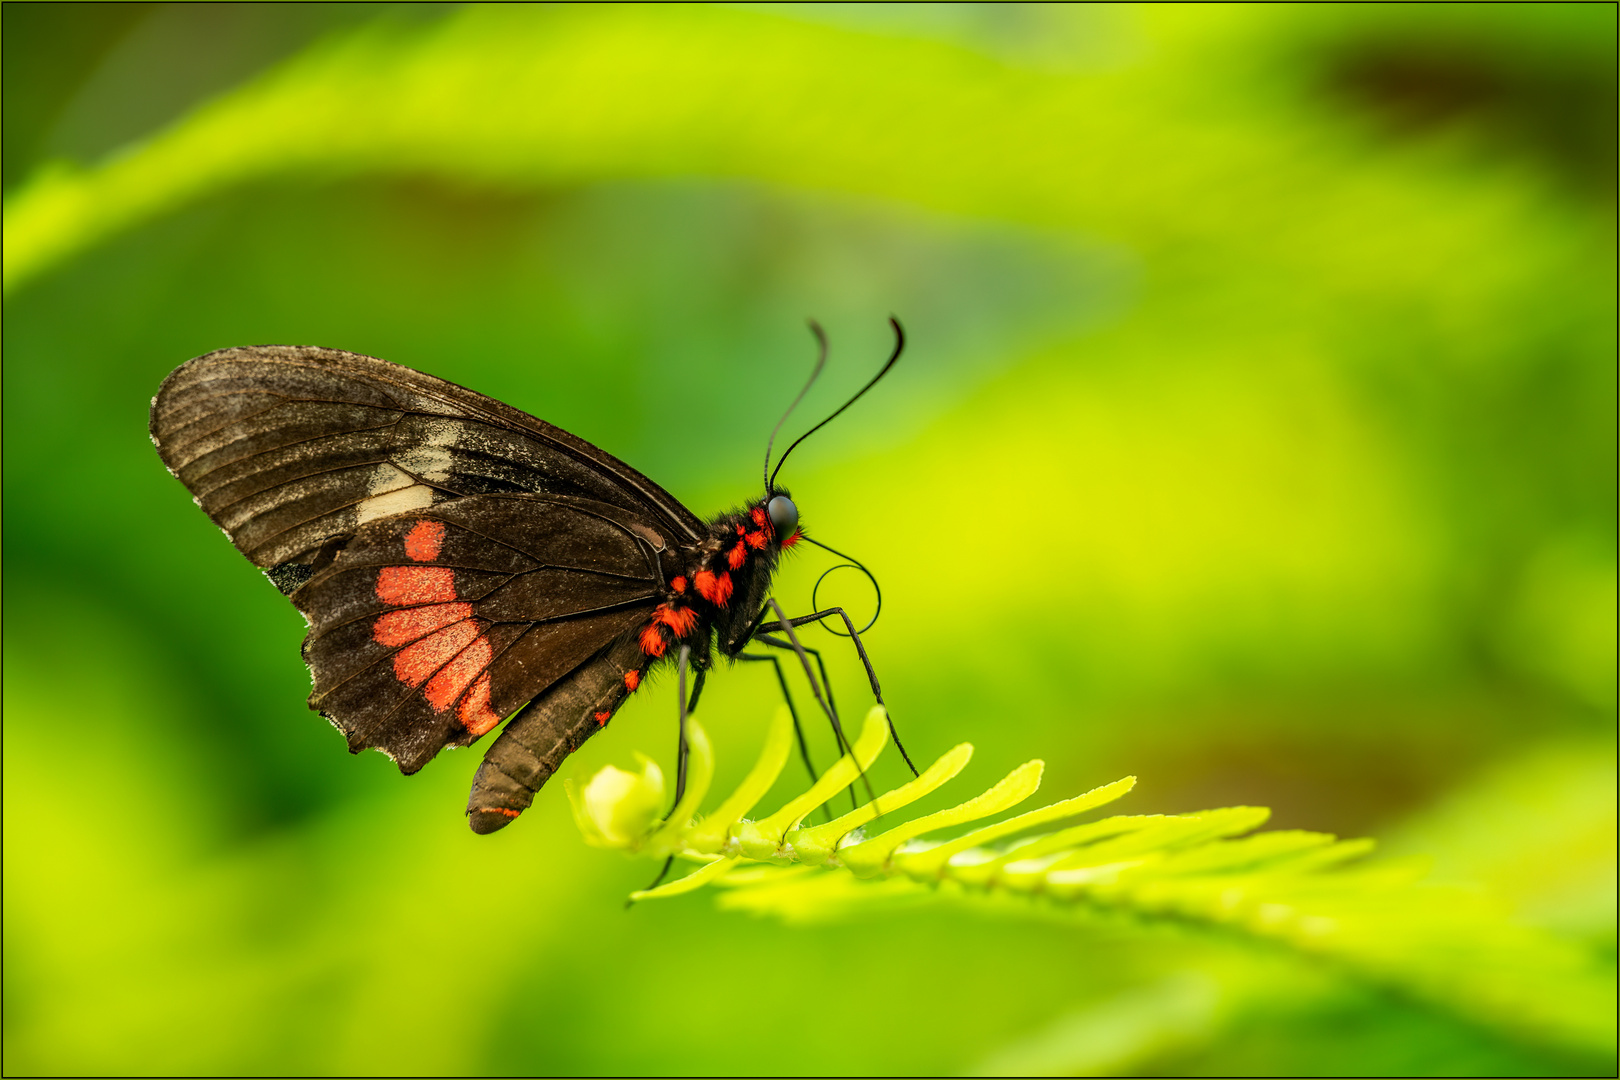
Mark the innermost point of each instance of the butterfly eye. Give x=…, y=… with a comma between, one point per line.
x=784, y=516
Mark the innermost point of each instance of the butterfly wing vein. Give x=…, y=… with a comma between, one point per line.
x=453, y=556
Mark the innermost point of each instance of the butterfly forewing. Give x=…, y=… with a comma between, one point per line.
x=453, y=556
x=289, y=447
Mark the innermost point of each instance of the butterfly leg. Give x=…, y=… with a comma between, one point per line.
x=804, y=749
x=798, y=728
x=787, y=625
x=778, y=643
x=682, y=751
x=797, y=646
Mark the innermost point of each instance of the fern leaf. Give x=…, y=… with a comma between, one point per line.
x=1303, y=891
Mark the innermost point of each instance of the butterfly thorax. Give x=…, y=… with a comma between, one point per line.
x=719, y=587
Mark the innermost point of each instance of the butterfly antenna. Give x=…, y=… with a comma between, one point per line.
x=899, y=347
x=821, y=360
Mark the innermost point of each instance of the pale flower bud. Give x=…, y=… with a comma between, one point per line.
x=618, y=808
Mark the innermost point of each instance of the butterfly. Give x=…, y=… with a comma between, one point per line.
x=460, y=562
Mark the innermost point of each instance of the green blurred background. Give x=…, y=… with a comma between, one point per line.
x=1256, y=437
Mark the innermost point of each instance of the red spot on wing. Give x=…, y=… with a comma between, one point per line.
x=632, y=679
x=444, y=646
x=475, y=714
x=678, y=584
x=652, y=641
x=405, y=625
x=423, y=541
x=409, y=586
x=794, y=539
x=455, y=677
x=756, y=539
x=715, y=588
x=738, y=555
x=415, y=664
x=681, y=620
x=603, y=717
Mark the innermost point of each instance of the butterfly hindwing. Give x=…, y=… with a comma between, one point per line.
x=429, y=628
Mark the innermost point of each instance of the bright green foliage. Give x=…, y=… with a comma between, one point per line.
x=1257, y=437
x=1209, y=869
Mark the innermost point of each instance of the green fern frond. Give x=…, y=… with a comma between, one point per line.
x=1292, y=889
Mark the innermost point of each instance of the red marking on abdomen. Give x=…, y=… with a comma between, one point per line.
x=501, y=810
x=681, y=620
x=408, y=586
x=417, y=663
x=423, y=541
x=756, y=539
x=652, y=642
x=405, y=625
x=738, y=555
x=715, y=588
x=457, y=676
x=632, y=679
x=475, y=714
x=602, y=718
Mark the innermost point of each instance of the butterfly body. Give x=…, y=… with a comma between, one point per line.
x=458, y=561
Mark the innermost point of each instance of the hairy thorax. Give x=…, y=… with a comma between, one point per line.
x=717, y=587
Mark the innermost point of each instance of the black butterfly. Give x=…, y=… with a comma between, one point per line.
x=458, y=560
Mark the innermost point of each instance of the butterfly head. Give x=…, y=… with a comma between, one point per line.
x=784, y=518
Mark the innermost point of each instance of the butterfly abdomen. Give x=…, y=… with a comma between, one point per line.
x=543, y=734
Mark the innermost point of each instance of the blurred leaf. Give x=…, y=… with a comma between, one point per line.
x=505, y=94
x=1114, y=1038
x=1538, y=832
